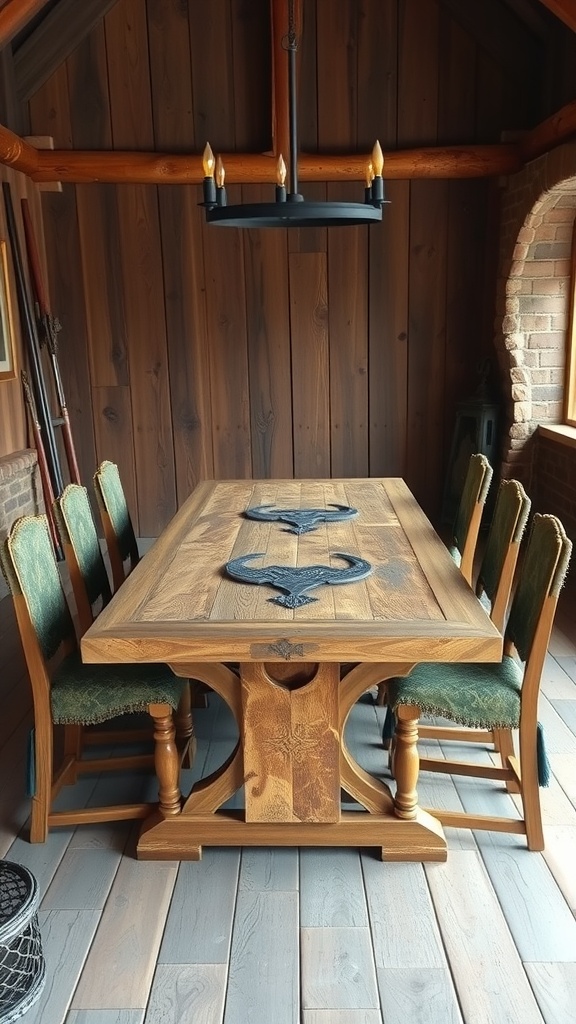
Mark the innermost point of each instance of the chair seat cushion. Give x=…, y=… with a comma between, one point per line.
x=88, y=694
x=479, y=696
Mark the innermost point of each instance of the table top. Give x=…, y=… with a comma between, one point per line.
x=179, y=605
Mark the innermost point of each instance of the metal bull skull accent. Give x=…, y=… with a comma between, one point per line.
x=302, y=520
x=296, y=581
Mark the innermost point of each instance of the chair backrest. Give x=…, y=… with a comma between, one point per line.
x=42, y=612
x=469, y=514
x=542, y=574
x=496, y=574
x=116, y=521
x=88, y=575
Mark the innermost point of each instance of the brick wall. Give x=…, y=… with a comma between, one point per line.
x=538, y=214
x=20, y=492
x=538, y=217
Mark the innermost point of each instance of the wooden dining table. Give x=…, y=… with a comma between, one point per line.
x=291, y=675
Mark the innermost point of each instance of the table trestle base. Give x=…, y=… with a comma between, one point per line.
x=182, y=838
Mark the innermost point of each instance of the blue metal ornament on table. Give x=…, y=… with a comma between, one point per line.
x=296, y=581
x=302, y=520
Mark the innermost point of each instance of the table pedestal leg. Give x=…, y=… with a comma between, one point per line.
x=292, y=759
x=166, y=759
x=405, y=761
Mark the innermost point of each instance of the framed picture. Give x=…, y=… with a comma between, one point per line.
x=7, y=367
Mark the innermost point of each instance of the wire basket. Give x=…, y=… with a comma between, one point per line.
x=22, y=967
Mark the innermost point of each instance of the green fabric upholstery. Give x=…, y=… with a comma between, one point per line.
x=475, y=489
x=111, y=493
x=509, y=520
x=94, y=693
x=76, y=525
x=484, y=695
x=30, y=569
x=543, y=572
x=479, y=696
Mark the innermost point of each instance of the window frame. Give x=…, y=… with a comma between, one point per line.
x=570, y=377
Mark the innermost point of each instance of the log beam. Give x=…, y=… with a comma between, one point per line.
x=550, y=133
x=15, y=15
x=563, y=9
x=169, y=169
x=17, y=153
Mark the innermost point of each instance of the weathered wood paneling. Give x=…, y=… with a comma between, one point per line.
x=208, y=352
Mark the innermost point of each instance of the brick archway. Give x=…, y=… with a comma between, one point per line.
x=538, y=213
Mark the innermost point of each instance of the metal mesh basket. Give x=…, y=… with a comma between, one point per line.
x=22, y=967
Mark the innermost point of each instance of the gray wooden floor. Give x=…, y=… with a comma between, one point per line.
x=312, y=936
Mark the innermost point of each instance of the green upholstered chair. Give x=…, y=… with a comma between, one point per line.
x=67, y=692
x=116, y=522
x=91, y=588
x=469, y=514
x=88, y=575
x=498, y=696
x=494, y=583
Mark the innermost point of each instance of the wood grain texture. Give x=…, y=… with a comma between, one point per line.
x=338, y=969
x=310, y=364
x=267, y=322
x=105, y=1017
x=402, y=917
x=66, y=939
x=228, y=352
x=260, y=915
x=422, y=996
x=553, y=986
x=498, y=995
x=187, y=337
x=160, y=599
x=203, y=900
x=348, y=332
x=333, y=899
x=129, y=937
x=192, y=992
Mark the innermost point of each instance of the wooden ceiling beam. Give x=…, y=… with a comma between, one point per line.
x=550, y=133
x=563, y=9
x=15, y=15
x=17, y=153
x=176, y=169
x=55, y=38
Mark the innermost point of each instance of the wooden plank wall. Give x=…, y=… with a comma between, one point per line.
x=193, y=352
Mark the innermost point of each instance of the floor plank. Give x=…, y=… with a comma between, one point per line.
x=199, y=923
x=420, y=996
x=554, y=986
x=490, y=981
x=263, y=982
x=338, y=969
x=185, y=994
x=66, y=939
x=402, y=917
x=331, y=889
x=118, y=972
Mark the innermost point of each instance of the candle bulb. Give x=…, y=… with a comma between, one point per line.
x=378, y=181
x=220, y=177
x=208, y=185
x=280, y=180
x=369, y=179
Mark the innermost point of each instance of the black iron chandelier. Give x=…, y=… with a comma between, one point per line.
x=290, y=209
